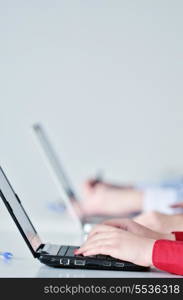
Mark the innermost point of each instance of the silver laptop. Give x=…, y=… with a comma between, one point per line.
x=62, y=180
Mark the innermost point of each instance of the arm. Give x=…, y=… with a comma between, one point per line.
x=161, y=222
x=126, y=240
x=178, y=235
x=167, y=255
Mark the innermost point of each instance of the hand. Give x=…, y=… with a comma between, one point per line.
x=119, y=244
x=102, y=198
x=177, y=205
x=133, y=227
x=123, y=239
x=92, y=183
x=161, y=222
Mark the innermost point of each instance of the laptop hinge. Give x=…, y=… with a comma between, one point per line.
x=39, y=250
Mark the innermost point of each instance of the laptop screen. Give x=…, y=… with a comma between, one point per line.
x=54, y=161
x=18, y=213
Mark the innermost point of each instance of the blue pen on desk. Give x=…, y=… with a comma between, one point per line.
x=6, y=255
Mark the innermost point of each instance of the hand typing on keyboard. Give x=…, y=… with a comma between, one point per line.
x=122, y=239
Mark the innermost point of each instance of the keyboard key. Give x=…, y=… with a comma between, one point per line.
x=70, y=251
x=79, y=256
x=62, y=250
x=51, y=249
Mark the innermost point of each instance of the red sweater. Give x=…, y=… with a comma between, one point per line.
x=168, y=255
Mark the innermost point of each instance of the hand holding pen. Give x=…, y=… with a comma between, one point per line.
x=97, y=179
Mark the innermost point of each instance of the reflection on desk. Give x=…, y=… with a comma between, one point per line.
x=48, y=272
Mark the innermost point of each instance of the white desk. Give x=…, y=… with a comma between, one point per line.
x=24, y=265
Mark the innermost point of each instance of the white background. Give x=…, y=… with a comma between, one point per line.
x=105, y=79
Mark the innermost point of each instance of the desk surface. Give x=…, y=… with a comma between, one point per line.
x=24, y=265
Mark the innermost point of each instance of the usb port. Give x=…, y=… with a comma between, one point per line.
x=80, y=262
x=64, y=261
x=119, y=264
x=107, y=264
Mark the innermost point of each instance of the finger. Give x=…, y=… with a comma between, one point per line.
x=94, y=244
x=91, y=183
x=100, y=228
x=136, y=219
x=102, y=235
x=177, y=205
x=104, y=250
x=87, y=187
x=120, y=223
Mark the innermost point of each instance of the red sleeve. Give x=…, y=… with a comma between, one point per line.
x=168, y=256
x=178, y=235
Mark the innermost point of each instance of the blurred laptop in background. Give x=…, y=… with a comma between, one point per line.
x=63, y=183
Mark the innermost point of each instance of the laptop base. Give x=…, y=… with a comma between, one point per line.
x=95, y=262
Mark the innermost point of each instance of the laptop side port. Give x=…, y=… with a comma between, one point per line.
x=79, y=262
x=64, y=261
x=107, y=264
x=119, y=264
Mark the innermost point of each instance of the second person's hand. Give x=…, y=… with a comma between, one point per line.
x=131, y=226
x=100, y=198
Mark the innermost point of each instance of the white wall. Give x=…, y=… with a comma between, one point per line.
x=104, y=77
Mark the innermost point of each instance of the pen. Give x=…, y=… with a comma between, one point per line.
x=98, y=178
x=6, y=255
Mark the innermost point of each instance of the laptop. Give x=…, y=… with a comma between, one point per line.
x=62, y=180
x=54, y=255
